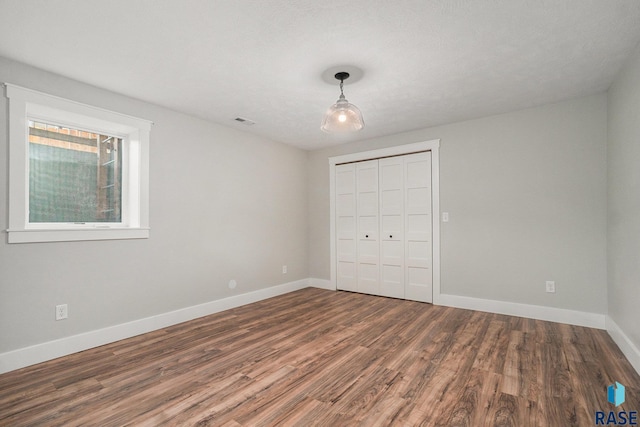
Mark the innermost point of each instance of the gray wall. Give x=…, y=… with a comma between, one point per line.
x=526, y=193
x=224, y=205
x=623, y=156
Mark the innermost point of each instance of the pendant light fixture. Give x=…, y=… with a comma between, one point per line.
x=342, y=116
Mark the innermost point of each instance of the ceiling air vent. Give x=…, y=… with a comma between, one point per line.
x=244, y=121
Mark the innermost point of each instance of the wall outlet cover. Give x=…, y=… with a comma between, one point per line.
x=551, y=286
x=62, y=311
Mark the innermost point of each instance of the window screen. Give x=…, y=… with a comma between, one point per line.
x=75, y=176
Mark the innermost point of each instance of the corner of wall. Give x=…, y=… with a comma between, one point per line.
x=628, y=348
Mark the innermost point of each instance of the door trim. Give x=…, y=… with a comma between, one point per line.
x=434, y=147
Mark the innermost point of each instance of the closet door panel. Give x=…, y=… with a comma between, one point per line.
x=392, y=251
x=418, y=284
x=368, y=245
x=368, y=281
x=346, y=229
x=418, y=232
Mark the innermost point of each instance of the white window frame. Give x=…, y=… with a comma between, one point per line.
x=26, y=104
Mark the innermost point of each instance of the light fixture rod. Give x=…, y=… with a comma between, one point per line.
x=342, y=76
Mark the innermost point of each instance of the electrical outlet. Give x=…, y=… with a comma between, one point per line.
x=284, y=269
x=551, y=286
x=62, y=311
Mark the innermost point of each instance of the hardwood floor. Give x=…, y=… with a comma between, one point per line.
x=317, y=357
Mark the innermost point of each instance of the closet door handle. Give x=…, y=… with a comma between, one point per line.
x=390, y=236
x=366, y=236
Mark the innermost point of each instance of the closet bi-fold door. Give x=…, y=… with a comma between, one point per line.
x=392, y=265
x=367, y=249
x=418, y=228
x=384, y=227
x=345, y=185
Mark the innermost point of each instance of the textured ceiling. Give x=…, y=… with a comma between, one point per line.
x=424, y=62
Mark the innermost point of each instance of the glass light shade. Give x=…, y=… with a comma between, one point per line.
x=342, y=117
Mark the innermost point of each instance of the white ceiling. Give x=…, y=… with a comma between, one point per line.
x=425, y=62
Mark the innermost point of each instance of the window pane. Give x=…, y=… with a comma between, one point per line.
x=74, y=175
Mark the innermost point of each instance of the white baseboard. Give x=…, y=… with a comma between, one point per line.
x=552, y=314
x=629, y=349
x=38, y=353
x=322, y=284
x=27, y=356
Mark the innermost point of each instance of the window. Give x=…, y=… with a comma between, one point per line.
x=76, y=172
x=74, y=176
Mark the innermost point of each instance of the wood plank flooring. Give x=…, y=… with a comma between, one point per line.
x=317, y=357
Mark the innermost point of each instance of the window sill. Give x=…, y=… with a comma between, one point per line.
x=57, y=235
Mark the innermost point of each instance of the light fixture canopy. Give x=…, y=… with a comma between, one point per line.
x=342, y=116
